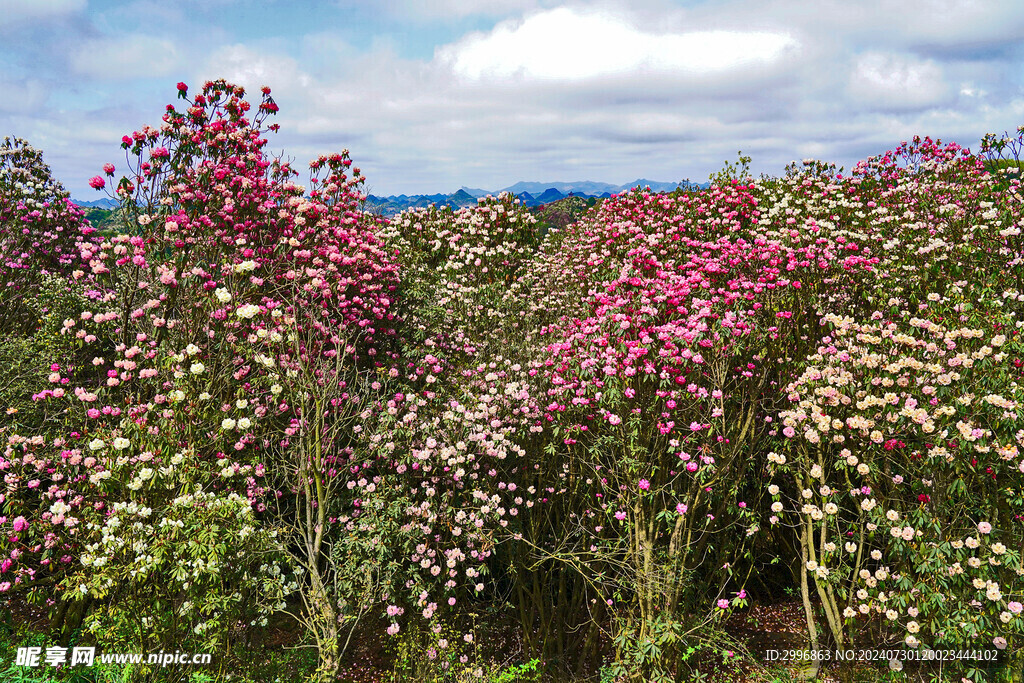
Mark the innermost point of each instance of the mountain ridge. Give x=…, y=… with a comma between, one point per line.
x=105, y=203
x=531, y=193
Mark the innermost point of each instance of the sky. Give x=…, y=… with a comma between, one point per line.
x=429, y=96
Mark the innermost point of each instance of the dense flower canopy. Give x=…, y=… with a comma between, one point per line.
x=255, y=399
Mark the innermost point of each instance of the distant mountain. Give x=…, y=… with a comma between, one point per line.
x=395, y=204
x=546, y=197
x=588, y=187
x=104, y=203
x=549, y=195
x=531, y=194
x=462, y=198
x=527, y=199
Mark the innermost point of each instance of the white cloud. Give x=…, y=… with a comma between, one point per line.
x=951, y=23
x=446, y=9
x=606, y=89
x=253, y=68
x=937, y=25
x=567, y=44
x=125, y=57
x=22, y=95
x=897, y=81
x=18, y=11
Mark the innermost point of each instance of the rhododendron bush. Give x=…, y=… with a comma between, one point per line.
x=902, y=461
x=457, y=432
x=909, y=464
x=233, y=283
x=256, y=401
x=657, y=387
x=40, y=230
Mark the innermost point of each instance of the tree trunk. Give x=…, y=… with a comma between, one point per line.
x=812, y=628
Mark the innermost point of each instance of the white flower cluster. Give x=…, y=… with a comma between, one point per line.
x=247, y=311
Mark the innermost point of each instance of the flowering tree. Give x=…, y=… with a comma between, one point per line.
x=935, y=462
x=656, y=395
x=450, y=440
x=40, y=230
x=231, y=283
x=904, y=430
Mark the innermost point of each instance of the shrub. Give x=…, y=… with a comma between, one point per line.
x=40, y=230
